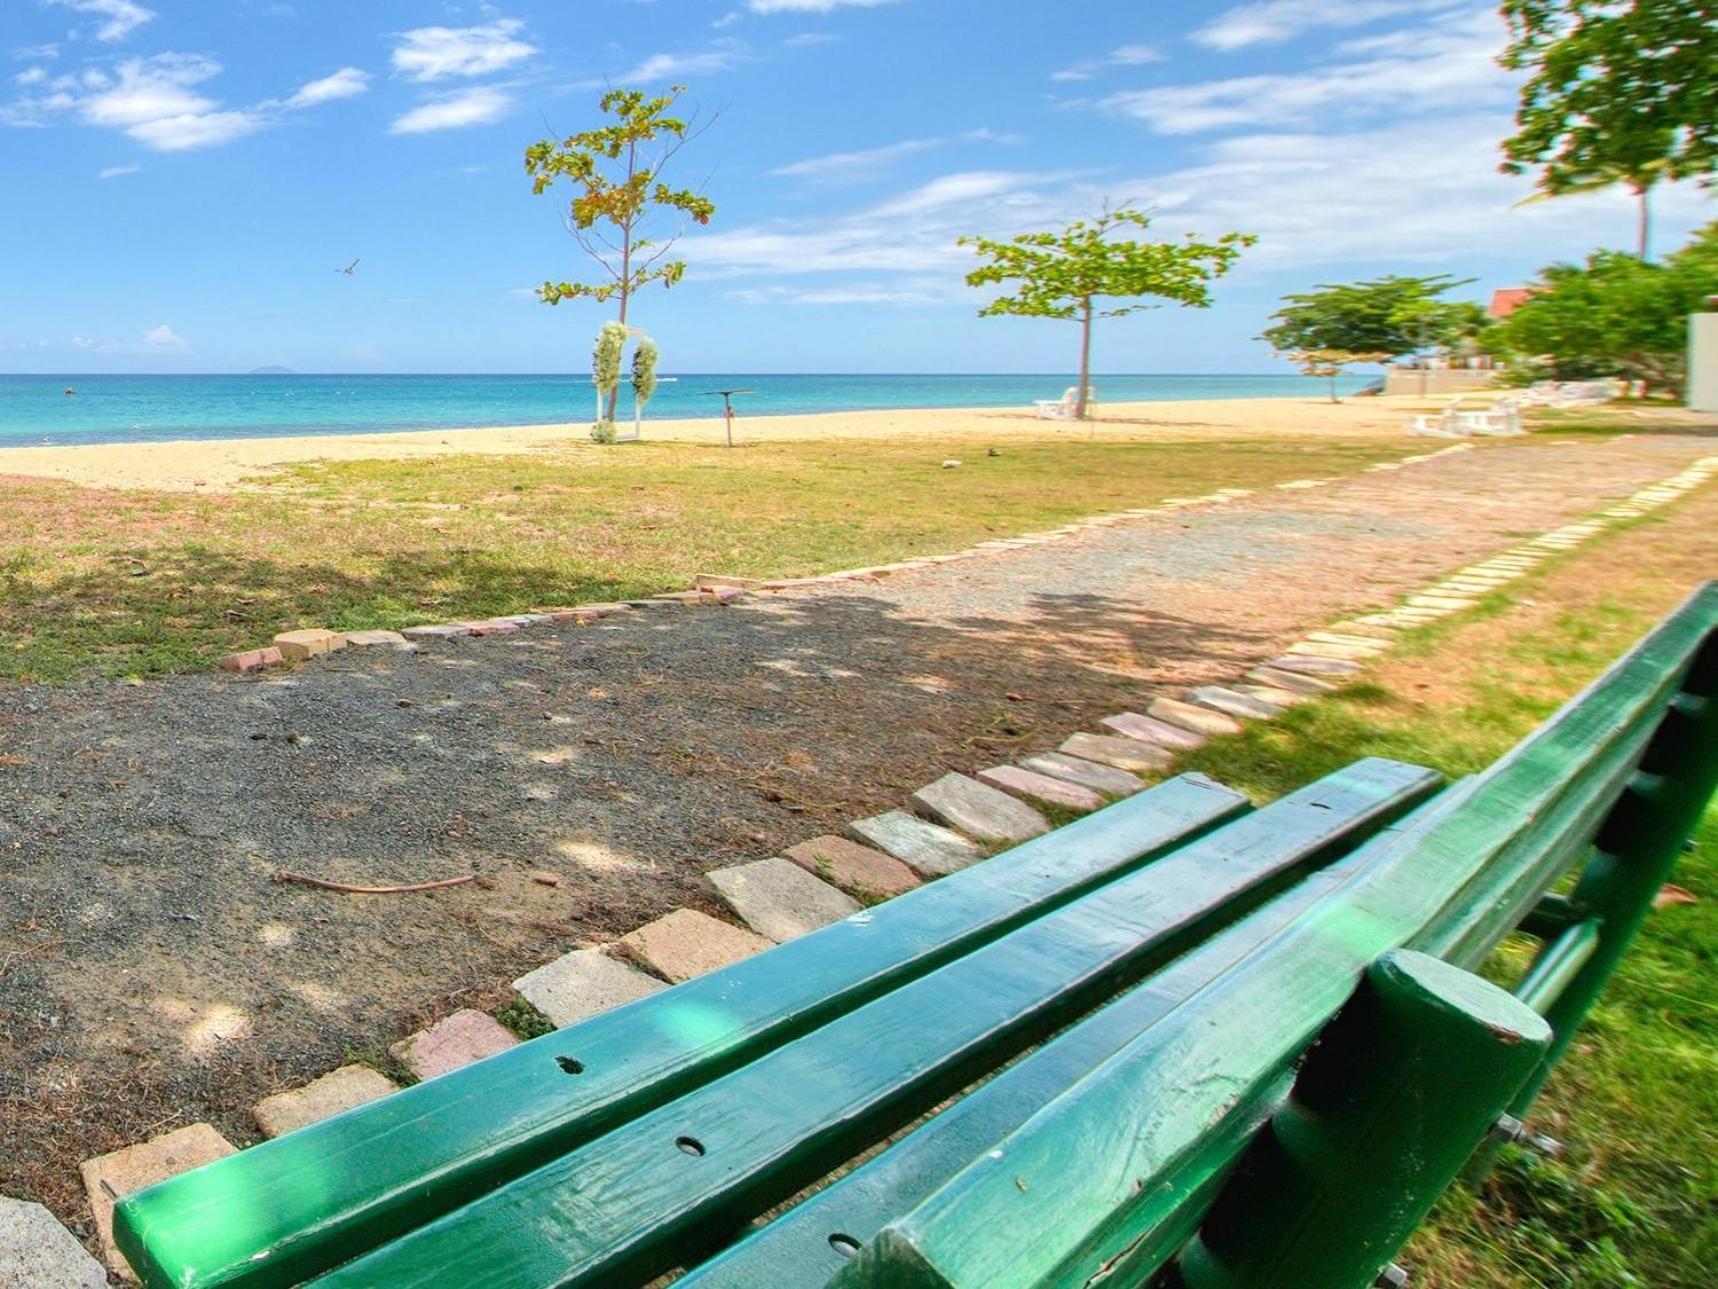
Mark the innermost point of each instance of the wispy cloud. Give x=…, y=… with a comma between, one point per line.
x=116, y=172
x=36, y=53
x=438, y=53
x=812, y=6
x=348, y=82
x=164, y=337
x=480, y=105
x=1449, y=67
x=849, y=167
x=119, y=18
x=720, y=57
x=1272, y=21
x=1122, y=56
x=161, y=102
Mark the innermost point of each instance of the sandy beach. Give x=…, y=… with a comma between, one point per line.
x=223, y=464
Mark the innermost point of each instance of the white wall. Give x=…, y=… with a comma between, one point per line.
x=1703, y=362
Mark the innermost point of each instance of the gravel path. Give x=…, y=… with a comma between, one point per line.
x=153, y=972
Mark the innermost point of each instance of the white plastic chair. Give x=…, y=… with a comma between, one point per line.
x=1063, y=408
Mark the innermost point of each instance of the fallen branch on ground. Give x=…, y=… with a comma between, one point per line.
x=287, y=875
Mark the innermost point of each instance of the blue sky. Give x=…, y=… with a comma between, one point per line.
x=181, y=179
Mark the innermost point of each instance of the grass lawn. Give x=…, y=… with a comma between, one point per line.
x=119, y=583
x=1637, y=1100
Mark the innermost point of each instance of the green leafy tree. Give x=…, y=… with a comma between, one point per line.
x=1067, y=274
x=619, y=196
x=1328, y=364
x=1382, y=318
x=1618, y=315
x=1619, y=92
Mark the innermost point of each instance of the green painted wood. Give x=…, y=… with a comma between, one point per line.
x=1553, y=915
x=1389, y=1105
x=1559, y=963
x=805, y=1247
x=1150, y=1127
x=632, y=1204
x=287, y=1209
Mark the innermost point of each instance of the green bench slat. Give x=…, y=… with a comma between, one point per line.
x=638, y=1200
x=1156, y=1128
x=287, y=1209
x=802, y=1249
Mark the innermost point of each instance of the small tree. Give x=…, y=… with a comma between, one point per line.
x=616, y=173
x=1617, y=315
x=1329, y=363
x=1065, y=274
x=1618, y=94
x=1382, y=317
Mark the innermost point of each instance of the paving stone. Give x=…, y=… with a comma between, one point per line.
x=1370, y=644
x=460, y=1039
x=439, y=630
x=583, y=983
x=348, y=1086
x=1318, y=649
x=1271, y=694
x=929, y=850
x=1201, y=720
x=1148, y=729
x=1232, y=703
x=377, y=639
x=713, y=581
x=296, y=646
x=1361, y=629
x=1306, y=666
x=1291, y=680
x=979, y=811
x=528, y=619
x=687, y=943
x=779, y=899
x=587, y=612
x=1087, y=774
x=112, y=1177
x=490, y=627
x=1123, y=753
x=252, y=660
x=1031, y=786
x=862, y=872
x=36, y=1252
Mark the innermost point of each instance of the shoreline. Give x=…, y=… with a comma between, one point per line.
x=220, y=464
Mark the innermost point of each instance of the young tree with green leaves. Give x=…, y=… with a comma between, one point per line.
x=1619, y=92
x=1065, y=275
x=619, y=196
x=1382, y=317
x=1617, y=315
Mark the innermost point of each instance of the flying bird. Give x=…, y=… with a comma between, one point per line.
x=350, y=269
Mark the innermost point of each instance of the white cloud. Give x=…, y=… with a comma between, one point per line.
x=116, y=172
x=805, y=39
x=31, y=76
x=436, y=53
x=120, y=17
x=348, y=82
x=868, y=293
x=478, y=106
x=811, y=6
x=195, y=130
x=164, y=337
x=848, y=167
x=1447, y=67
x=36, y=53
x=1122, y=56
x=667, y=67
x=1271, y=21
x=150, y=89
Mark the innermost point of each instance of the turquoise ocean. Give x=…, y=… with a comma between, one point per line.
x=127, y=409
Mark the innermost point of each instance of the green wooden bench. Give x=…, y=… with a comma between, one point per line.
x=1180, y=1036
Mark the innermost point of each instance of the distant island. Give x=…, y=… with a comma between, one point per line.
x=271, y=371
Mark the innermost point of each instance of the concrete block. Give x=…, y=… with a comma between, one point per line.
x=862, y=872
x=583, y=983
x=1087, y=774
x=252, y=660
x=779, y=899
x=1123, y=753
x=36, y=1252
x=1043, y=789
x=926, y=848
x=1148, y=729
x=1232, y=703
x=1201, y=720
x=460, y=1039
x=112, y=1177
x=332, y=1094
x=296, y=646
x=687, y=943
x=1291, y=680
x=979, y=811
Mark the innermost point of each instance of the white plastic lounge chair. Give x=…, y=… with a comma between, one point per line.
x=1443, y=425
x=1063, y=408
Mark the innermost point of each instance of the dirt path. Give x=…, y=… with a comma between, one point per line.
x=153, y=973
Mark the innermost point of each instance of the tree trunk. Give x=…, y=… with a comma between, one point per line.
x=1333, y=397
x=1643, y=193
x=625, y=273
x=1081, y=408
